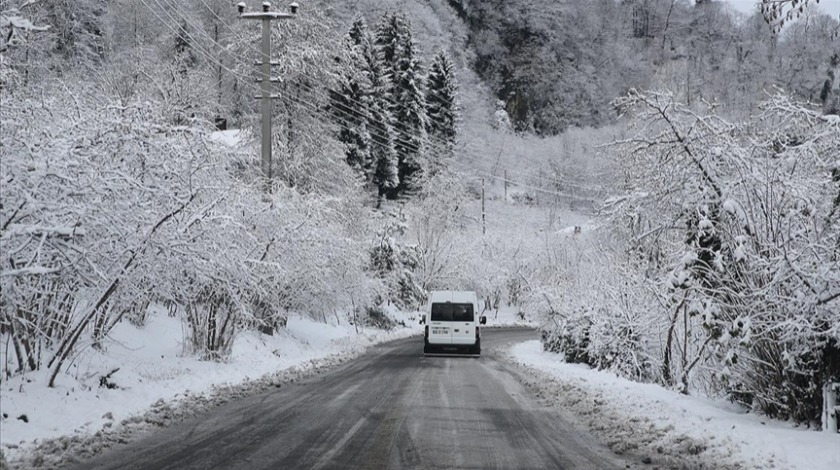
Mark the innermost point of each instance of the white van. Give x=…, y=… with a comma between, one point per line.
x=451, y=325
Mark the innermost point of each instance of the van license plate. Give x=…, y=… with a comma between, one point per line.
x=439, y=331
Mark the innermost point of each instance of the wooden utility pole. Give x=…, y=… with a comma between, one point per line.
x=265, y=77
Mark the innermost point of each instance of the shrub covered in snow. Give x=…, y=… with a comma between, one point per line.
x=736, y=228
x=591, y=310
x=106, y=210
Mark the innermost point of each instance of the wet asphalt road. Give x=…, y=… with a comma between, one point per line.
x=391, y=408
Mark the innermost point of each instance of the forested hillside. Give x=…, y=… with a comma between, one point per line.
x=560, y=64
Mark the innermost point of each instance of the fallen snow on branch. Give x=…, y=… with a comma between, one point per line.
x=20, y=23
x=20, y=229
x=30, y=271
x=668, y=429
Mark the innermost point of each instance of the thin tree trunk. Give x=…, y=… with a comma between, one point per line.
x=696, y=360
x=18, y=355
x=211, y=328
x=666, y=362
x=23, y=338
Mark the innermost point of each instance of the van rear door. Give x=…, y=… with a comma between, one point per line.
x=463, y=324
x=440, y=324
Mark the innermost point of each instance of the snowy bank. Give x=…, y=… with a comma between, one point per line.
x=156, y=384
x=507, y=316
x=669, y=429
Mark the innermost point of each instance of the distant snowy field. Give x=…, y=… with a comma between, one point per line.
x=153, y=371
x=668, y=428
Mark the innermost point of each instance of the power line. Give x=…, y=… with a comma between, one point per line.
x=395, y=125
x=465, y=167
x=427, y=140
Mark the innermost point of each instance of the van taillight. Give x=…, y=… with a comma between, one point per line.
x=476, y=332
x=427, y=332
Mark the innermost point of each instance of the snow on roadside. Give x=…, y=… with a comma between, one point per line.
x=668, y=429
x=506, y=316
x=157, y=384
x=230, y=137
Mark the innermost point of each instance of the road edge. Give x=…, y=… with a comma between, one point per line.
x=657, y=451
x=73, y=449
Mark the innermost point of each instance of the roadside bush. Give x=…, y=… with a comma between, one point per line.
x=571, y=339
x=377, y=318
x=736, y=226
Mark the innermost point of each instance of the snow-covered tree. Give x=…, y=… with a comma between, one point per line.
x=779, y=12
x=361, y=109
x=111, y=204
x=397, y=51
x=348, y=106
x=380, y=120
x=13, y=31
x=442, y=107
x=830, y=93
x=737, y=224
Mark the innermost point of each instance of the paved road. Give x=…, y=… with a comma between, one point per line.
x=392, y=408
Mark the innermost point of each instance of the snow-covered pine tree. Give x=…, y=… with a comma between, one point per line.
x=410, y=112
x=386, y=172
x=380, y=121
x=183, y=48
x=214, y=15
x=358, y=31
x=391, y=31
x=830, y=94
x=76, y=30
x=397, y=51
x=348, y=108
x=441, y=108
x=360, y=107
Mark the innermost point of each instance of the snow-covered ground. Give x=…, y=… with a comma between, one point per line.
x=668, y=429
x=507, y=316
x=154, y=373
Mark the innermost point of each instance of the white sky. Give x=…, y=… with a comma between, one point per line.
x=832, y=7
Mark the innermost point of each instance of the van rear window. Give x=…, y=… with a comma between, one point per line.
x=452, y=312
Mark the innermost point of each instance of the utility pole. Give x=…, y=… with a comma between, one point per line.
x=483, y=224
x=265, y=77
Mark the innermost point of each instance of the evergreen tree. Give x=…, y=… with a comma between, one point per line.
x=77, y=30
x=183, y=48
x=347, y=106
x=830, y=94
x=361, y=108
x=358, y=31
x=408, y=105
x=386, y=172
x=441, y=106
x=391, y=33
x=380, y=120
